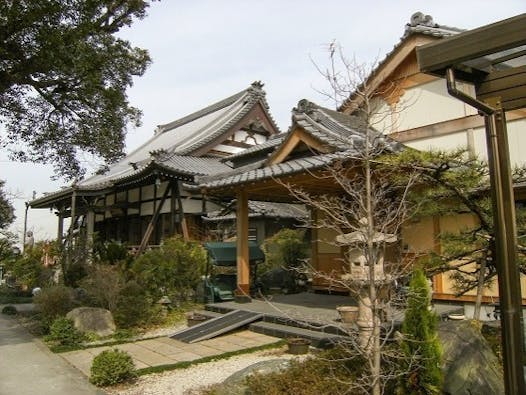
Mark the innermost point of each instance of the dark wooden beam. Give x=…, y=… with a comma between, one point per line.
x=507, y=86
x=152, y=223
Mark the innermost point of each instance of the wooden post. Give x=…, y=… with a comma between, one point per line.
x=506, y=251
x=60, y=228
x=182, y=220
x=69, y=244
x=438, y=285
x=243, y=263
x=90, y=225
x=173, y=207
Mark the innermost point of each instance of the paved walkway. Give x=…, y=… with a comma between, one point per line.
x=163, y=350
x=27, y=367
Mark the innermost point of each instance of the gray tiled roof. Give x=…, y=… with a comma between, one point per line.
x=277, y=170
x=337, y=130
x=179, y=138
x=171, y=147
x=344, y=135
x=261, y=209
x=424, y=24
x=175, y=164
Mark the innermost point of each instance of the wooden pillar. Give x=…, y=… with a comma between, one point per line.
x=505, y=233
x=243, y=263
x=173, y=207
x=90, y=225
x=60, y=228
x=182, y=219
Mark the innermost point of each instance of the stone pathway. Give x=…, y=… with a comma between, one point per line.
x=27, y=367
x=163, y=350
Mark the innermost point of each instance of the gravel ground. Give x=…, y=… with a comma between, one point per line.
x=176, y=382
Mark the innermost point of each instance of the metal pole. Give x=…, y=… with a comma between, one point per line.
x=505, y=235
x=506, y=252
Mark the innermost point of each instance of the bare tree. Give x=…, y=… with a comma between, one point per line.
x=366, y=217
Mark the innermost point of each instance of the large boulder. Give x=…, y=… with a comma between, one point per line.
x=93, y=319
x=469, y=365
x=235, y=384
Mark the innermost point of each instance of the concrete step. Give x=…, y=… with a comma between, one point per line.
x=318, y=339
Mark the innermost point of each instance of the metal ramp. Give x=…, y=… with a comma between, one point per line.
x=217, y=326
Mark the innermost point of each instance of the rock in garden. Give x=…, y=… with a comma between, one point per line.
x=235, y=384
x=93, y=319
x=469, y=365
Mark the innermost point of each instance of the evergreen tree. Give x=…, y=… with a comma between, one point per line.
x=63, y=79
x=420, y=342
x=453, y=183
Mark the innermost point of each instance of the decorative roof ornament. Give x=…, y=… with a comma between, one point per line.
x=418, y=18
x=160, y=154
x=257, y=85
x=304, y=106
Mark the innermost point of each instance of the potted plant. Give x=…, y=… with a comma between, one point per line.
x=298, y=345
x=348, y=314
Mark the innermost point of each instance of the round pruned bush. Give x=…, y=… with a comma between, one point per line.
x=63, y=331
x=112, y=367
x=9, y=310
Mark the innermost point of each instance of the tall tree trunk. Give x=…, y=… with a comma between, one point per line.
x=372, y=257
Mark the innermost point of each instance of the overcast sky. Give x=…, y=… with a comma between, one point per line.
x=204, y=51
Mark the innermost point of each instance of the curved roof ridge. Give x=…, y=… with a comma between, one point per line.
x=254, y=88
x=420, y=23
x=249, y=101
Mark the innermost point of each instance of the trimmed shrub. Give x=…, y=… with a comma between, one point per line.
x=111, y=367
x=286, y=249
x=63, y=332
x=133, y=306
x=9, y=310
x=174, y=269
x=54, y=302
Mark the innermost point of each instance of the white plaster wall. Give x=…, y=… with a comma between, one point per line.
x=516, y=142
x=192, y=206
x=241, y=135
x=449, y=142
x=382, y=117
x=430, y=103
